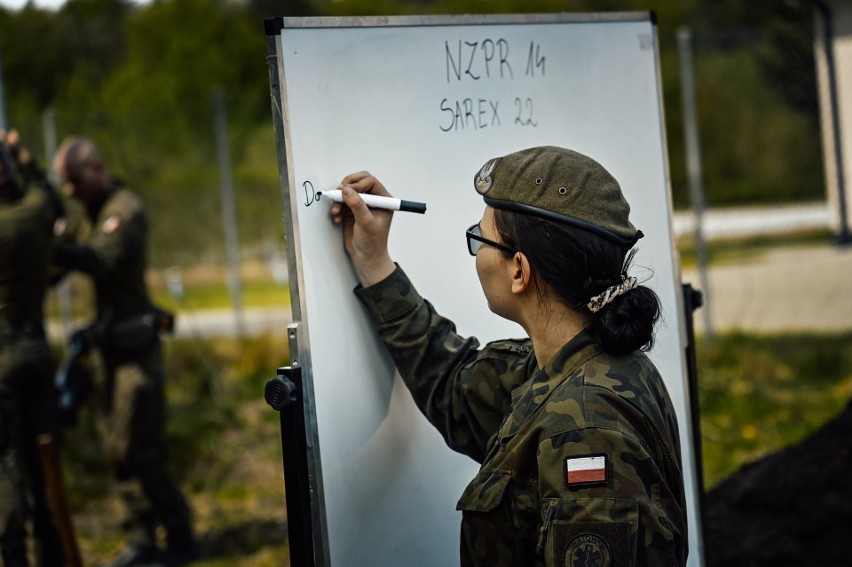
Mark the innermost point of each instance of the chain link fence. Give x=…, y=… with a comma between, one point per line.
x=757, y=117
x=762, y=173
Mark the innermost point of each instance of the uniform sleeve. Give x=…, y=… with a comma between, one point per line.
x=464, y=391
x=118, y=235
x=114, y=237
x=603, y=502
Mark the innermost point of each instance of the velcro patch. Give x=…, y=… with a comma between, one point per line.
x=60, y=226
x=602, y=544
x=586, y=470
x=111, y=224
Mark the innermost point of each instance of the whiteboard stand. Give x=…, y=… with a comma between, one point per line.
x=693, y=299
x=284, y=394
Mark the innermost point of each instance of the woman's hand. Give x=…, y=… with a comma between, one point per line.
x=365, y=230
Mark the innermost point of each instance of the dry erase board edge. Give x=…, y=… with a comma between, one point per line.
x=462, y=19
x=297, y=332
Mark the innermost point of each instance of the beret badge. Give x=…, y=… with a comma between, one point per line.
x=483, y=178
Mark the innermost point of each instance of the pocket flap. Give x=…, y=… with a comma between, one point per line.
x=484, y=492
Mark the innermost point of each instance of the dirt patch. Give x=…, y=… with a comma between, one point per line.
x=793, y=507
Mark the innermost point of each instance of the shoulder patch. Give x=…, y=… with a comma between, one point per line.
x=60, y=226
x=111, y=224
x=586, y=470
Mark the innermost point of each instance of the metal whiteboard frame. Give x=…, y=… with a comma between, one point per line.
x=298, y=336
x=302, y=354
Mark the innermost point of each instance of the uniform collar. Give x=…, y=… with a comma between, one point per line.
x=93, y=209
x=532, y=394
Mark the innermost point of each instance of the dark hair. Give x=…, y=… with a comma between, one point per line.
x=579, y=265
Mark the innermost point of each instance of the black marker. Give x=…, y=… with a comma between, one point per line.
x=378, y=201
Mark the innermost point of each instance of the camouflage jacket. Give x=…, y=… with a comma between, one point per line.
x=26, y=236
x=580, y=460
x=117, y=240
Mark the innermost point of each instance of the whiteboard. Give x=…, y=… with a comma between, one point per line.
x=422, y=103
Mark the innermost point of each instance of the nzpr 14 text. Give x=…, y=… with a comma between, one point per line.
x=489, y=61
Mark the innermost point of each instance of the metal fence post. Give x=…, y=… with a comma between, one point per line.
x=693, y=167
x=229, y=216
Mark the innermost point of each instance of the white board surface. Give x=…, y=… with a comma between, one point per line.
x=422, y=104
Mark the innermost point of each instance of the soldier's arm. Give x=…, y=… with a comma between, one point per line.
x=76, y=257
x=116, y=236
x=32, y=174
x=464, y=391
x=602, y=492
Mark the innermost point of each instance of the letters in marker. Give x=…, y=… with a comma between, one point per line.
x=586, y=470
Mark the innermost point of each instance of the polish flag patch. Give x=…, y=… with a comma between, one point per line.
x=586, y=470
x=111, y=224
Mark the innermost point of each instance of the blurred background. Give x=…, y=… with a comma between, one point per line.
x=176, y=93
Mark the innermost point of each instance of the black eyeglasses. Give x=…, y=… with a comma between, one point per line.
x=475, y=240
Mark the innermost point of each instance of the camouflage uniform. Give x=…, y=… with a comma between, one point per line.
x=27, y=393
x=129, y=377
x=529, y=427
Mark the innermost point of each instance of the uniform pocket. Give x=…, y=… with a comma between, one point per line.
x=484, y=492
x=590, y=531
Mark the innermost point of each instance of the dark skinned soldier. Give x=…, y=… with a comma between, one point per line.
x=126, y=351
x=574, y=430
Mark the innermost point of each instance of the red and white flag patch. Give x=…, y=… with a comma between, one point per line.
x=586, y=470
x=111, y=224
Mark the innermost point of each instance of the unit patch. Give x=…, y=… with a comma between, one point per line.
x=586, y=470
x=60, y=226
x=588, y=550
x=111, y=224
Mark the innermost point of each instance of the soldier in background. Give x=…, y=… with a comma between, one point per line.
x=28, y=210
x=574, y=430
x=125, y=343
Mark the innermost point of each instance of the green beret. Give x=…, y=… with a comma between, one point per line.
x=561, y=185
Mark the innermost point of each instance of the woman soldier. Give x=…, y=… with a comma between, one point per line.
x=573, y=427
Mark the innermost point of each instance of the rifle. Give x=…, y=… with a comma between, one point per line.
x=57, y=498
x=73, y=383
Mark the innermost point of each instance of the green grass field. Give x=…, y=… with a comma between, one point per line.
x=225, y=448
x=760, y=394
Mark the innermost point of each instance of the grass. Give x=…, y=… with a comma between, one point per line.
x=204, y=288
x=225, y=448
x=217, y=296
x=759, y=394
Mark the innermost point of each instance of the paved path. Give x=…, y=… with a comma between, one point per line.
x=804, y=288
x=747, y=221
x=222, y=322
x=807, y=288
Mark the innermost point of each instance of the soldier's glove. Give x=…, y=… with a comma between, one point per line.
x=84, y=339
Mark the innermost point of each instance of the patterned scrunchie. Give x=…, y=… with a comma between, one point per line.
x=597, y=303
